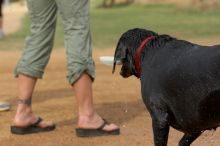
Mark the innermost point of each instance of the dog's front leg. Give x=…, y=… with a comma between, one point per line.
x=160, y=128
x=188, y=139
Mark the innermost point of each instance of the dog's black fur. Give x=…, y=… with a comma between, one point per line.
x=180, y=83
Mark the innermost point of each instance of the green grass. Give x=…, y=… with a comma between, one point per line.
x=107, y=25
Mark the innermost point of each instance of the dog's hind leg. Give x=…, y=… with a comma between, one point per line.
x=160, y=128
x=188, y=139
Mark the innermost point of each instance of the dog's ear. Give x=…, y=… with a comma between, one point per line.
x=120, y=53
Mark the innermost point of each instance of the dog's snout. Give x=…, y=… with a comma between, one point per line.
x=124, y=73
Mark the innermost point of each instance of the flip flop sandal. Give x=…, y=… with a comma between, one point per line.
x=82, y=132
x=33, y=128
x=5, y=106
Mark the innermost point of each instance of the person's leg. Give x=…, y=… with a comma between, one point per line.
x=24, y=115
x=35, y=58
x=81, y=69
x=88, y=117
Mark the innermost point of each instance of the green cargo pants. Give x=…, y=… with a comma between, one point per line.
x=77, y=38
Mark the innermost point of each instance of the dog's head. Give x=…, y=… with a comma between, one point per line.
x=126, y=50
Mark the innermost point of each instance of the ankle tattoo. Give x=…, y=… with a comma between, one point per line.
x=25, y=101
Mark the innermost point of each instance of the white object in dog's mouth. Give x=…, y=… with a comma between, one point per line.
x=108, y=60
x=4, y=106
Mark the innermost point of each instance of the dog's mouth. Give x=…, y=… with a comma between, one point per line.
x=125, y=74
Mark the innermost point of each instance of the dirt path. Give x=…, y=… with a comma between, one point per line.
x=13, y=14
x=117, y=100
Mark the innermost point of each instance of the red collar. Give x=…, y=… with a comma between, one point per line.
x=137, y=59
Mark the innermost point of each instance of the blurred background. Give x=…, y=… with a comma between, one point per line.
x=194, y=20
x=197, y=21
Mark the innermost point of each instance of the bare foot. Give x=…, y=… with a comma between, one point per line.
x=94, y=122
x=26, y=117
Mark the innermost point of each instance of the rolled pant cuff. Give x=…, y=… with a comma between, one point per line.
x=74, y=76
x=29, y=71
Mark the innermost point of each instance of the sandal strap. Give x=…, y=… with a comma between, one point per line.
x=105, y=122
x=25, y=101
x=39, y=119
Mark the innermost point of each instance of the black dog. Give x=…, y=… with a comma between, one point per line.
x=180, y=82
